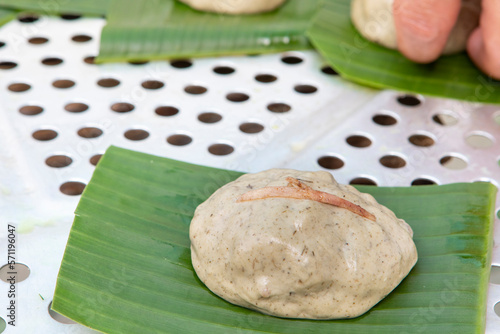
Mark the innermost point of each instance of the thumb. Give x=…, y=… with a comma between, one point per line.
x=484, y=43
x=423, y=27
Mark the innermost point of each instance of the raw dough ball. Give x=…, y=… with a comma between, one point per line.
x=299, y=258
x=374, y=20
x=235, y=6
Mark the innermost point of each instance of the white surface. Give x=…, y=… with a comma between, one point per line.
x=317, y=125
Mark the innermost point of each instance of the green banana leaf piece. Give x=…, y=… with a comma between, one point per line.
x=127, y=267
x=138, y=30
x=6, y=15
x=359, y=60
x=45, y=7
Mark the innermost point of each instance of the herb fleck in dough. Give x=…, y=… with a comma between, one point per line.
x=299, y=258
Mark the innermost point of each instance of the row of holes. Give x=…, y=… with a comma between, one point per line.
x=207, y=117
x=223, y=70
x=393, y=161
x=481, y=141
x=444, y=119
x=359, y=141
x=135, y=134
x=32, y=17
x=19, y=87
x=155, y=84
x=381, y=119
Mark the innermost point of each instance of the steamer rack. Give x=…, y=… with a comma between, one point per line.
x=59, y=112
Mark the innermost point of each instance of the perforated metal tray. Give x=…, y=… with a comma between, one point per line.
x=243, y=113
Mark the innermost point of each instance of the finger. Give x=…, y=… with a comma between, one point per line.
x=423, y=27
x=483, y=45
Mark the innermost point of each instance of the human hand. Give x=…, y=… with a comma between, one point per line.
x=423, y=27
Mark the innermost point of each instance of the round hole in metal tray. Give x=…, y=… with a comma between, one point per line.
x=59, y=317
x=305, y=89
x=52, y=61
x=108, y=82
x=209, y=117
x=384, y=119
x=2, y=44
x=89, y=132
x=179, y=140
x=224, y=70
x=95, y=159
x=181, y=63
x=220, y=149
x=291, y=60
x=30, y=110
x=266, y=78
x=136, y=134
x=237, y=97
x=166, y=111
x=328, y=70
x=279, y=107
x=72, y=188
x=358, y=141
x=122, y=107
x=18, y=87
x=152, y=84
x=364, y=181
x=70, y=16
x=38, y=40
x=81, y=38
x=7, y=65
x=28, y=17
x=409, y=100
x=496, y=117
x=195, y=89
x=251, y=127
x=421, y=140
x=445, y=118
x=330, y=162
x=89, y=60
x=496, y=308
x=423, y=182
x=44, y=134
x=480, y=140
x=453, y=162
x=76, y=107
x=22, y=272
x=63, y=83
x=392, y=161
x=138, y=62
x=58, y=161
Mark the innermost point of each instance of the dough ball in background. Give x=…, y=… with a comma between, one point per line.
x=374, y=20
x=234, y=6
x=298, y=258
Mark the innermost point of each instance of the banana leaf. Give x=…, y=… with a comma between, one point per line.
x=88, y=7
x=359, y=60
x=138, y=30
x=127, y=267
x=6, y=15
